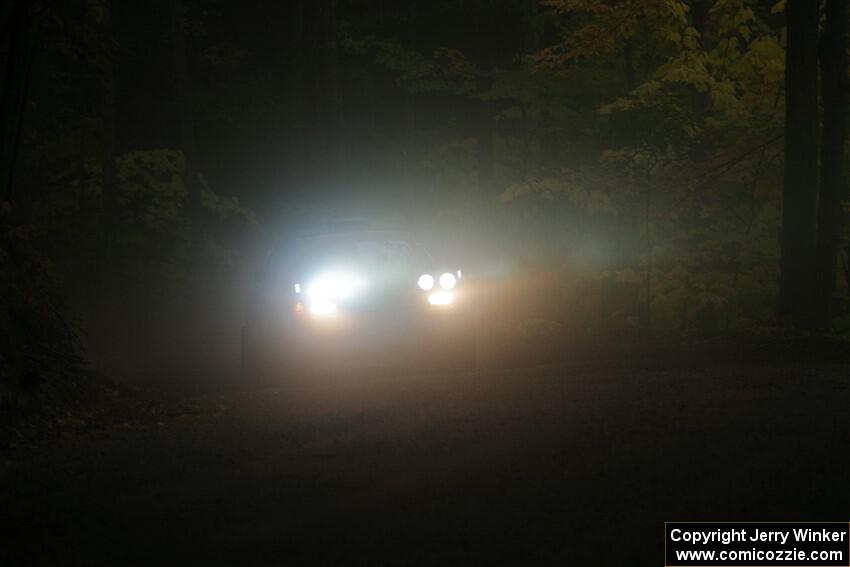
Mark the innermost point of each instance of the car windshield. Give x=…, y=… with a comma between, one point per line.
x=382, y=251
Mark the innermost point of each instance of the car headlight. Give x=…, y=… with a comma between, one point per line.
x=425, y=282
x=325, y=291
x=323, y=308
x=448, y=281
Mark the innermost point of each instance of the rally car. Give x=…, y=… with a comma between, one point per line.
x=366, y=296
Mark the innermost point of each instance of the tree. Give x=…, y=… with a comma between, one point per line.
x=833, y=57
x=16, y=25
x=798, y=239
x=187, y=124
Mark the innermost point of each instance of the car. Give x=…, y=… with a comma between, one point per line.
x=359, y=296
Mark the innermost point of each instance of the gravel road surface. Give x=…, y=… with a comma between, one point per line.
x=545, y=466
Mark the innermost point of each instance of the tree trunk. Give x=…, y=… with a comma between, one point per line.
x=16, y=43
x=408, y=160
x=333, y=106
x=295, y=80
x=801, y=138
x=409, y=95
x=485, y=148
x=187, y=125
x=647, y=227
x=292, y=57
x=110, y=182
x=833, y=56
x=629, y=65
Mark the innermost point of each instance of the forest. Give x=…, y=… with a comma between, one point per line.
x=424, y=282
x=673, y=169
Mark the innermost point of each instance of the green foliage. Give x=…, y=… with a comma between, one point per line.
x=667, y=191
x=152, y=209
x=149, y=225
x=699, y=183
x=443, y=70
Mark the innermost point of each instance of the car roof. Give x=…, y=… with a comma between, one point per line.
x=295, y=247
x=354, y=235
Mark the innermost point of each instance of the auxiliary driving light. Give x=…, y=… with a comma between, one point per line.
x=448, y=281
x=440, y=298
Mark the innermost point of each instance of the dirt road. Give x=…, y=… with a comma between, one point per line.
x=555, y=465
